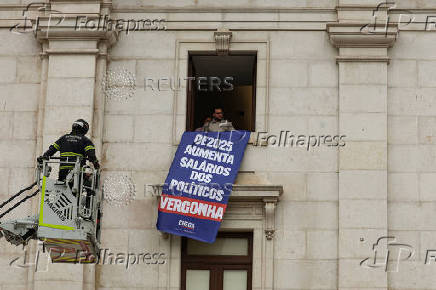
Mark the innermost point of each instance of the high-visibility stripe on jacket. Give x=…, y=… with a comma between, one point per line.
x=72, y=145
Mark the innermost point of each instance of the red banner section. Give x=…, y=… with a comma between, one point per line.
x=192, y=207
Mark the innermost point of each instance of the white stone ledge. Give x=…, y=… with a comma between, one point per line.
x=263, y=193
x=75, y=7
x=351, y=35
x=247, y=26
x=362, y=59
x=150, y=9
x=72, y=51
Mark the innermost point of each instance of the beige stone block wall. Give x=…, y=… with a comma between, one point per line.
x=19, y=92
x=396, y=155
x=411, y=148
x=229, y=4
x=137, y=142
x=303, y=99
x=306, y=103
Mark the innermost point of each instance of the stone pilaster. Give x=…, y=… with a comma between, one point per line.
x=74, y=62
x=362, y=43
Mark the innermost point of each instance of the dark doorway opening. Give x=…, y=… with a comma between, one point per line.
x=215, y=72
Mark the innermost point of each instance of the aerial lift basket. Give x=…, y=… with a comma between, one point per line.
x=68, y=223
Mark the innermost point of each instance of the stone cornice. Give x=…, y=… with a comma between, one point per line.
x=391, y=10
x=193, y=9
x=73, y=51
x=70, y=34
x=82, y=1
x=260, y=193
x=267, y=195
x=105, y=3
x=362, y=59
x=256, y=193
x=344, y=35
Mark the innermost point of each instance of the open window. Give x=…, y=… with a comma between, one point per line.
x=225, y=81
x=223, y=265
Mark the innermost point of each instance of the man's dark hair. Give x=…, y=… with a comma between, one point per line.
x=216, y=108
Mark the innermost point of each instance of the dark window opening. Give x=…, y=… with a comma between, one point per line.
x=228, y=82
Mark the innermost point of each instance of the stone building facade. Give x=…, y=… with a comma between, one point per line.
x=358, y=68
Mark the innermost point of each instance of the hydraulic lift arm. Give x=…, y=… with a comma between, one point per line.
x=18, y=203
x=26, y=228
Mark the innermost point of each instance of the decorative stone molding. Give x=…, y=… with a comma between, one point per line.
x=252, y=197
x=250, y=208
x=222, y=41
x=270, y=207
x=344, y=35
x=362, y=39
x=362, y=59
x=110, y=37
x=57, y=22
x=102, y=40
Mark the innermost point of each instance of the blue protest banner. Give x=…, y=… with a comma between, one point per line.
x=199, y=183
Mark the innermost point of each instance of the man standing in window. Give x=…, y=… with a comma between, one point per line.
x=218, y=123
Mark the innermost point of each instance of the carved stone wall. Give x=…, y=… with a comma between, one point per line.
x=324, y=67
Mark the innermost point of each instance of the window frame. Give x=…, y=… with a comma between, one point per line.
x=190, y=94
x=217, y=264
